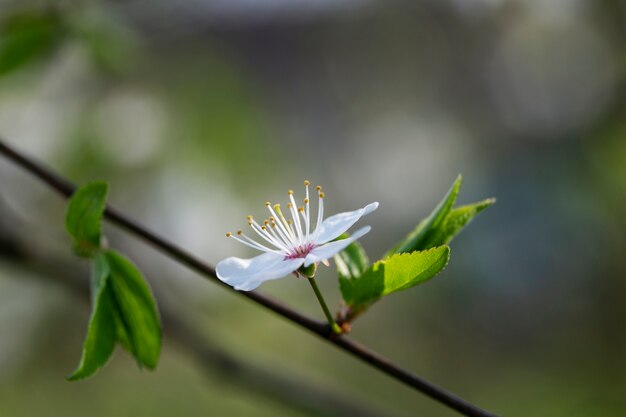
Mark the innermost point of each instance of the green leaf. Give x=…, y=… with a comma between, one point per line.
x=454, y=222
x=415, y=240
x=121, y=333
x=396, y=273
x=100, y=340
x=25, y=37
x=84, y=217
x=138, y=323
x=352, y=261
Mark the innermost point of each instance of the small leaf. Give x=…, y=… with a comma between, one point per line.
x=84, y=217
x=455, y=221
x=121, y=333
x=138, y=323
x=352, y=261
x=396, y=273
x=100, y=340
x=415, y=240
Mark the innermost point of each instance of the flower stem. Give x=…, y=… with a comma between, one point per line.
x=327, y=313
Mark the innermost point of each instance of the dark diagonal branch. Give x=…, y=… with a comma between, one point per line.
x=66, y=188
x=284, y=389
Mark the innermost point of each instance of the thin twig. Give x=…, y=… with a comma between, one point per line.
x=282, y=388
x=66, y=188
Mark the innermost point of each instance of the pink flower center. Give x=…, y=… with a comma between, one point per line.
x=300, y=251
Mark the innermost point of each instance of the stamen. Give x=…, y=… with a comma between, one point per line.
x=267, y=237
x=286, y=237
x=296, y=219
x=290, y=227
x=281, y=236
x=289, y=230
x=307, y=219
x=255, y=245
x=272, y=232
x=320, y=214
x=282, y=230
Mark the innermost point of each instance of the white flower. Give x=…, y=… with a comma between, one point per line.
x=289, y=244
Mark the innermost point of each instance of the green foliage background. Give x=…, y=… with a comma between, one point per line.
x=197, y=116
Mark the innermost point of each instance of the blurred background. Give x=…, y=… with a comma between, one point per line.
x=198, y=111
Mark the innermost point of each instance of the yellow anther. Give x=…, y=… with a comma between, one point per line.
x=249, y=217
x=272, y=219
x=239, y=232
x=289, y=205
x=318, y=188
x=267, y=204
x=306, y=201
x=264, y=227
x=301, y=209
x=249, y=223
x=266, y=222
x=307, y=182
x=289, y=222
x=229, y=234
x=321, y=195
x=290, y=192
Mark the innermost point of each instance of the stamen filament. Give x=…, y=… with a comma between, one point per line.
x=296, y=218
x=280, y=225
x=283, y=235
x=260, y=231
x=286, y=223
x=306, y=207
x=255, y=245
x=320, y=213
x=277, y=233
x=258, y=244
x=293, y=237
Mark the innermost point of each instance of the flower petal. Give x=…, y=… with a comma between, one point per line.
x=334, y=226
x=326, y=251
x=247, y=274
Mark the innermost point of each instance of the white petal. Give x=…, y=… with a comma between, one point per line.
x=334, y=226
x=326, y=251
x=247, y=274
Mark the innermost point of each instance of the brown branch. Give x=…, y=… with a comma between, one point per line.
x=66, y=188
x=210, y=357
